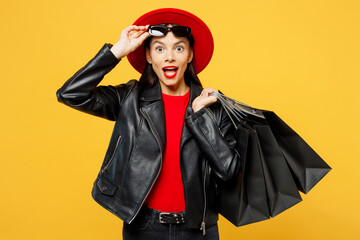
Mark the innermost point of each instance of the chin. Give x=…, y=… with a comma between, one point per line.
x=170, y=82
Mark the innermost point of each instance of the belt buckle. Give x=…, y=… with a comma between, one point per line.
x=160, y=214
x=178, y=217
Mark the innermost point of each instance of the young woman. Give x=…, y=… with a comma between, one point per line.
x=171, y=140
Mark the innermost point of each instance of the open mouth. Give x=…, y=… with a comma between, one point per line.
x=170, y=71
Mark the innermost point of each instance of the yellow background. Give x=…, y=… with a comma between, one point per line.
x=297, y=58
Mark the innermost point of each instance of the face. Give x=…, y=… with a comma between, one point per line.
x=169, y=56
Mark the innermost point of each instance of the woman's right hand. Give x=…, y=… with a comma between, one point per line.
x=130, y=39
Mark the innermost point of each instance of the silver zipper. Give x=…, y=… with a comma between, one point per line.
x=204, y=186
x=153, y=132
x=203, y=225
x=181, y=167
x=107, y=165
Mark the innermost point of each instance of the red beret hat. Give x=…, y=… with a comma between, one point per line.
x=203, y=40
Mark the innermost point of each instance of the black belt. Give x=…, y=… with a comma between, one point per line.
x=173, y=218
x=166, y=217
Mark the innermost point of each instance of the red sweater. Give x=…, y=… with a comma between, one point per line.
x=167, y=194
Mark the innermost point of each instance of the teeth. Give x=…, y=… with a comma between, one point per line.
x=170, y=69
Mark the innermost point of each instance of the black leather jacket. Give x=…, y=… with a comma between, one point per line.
x=134, y=156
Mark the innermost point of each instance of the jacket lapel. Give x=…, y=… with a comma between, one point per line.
x=153, y=109
x=195, y=91
x=152, y=106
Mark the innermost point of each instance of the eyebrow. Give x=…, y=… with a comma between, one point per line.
x=181, y=41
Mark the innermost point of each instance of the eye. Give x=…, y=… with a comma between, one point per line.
x=179, y=48
x=159, y=49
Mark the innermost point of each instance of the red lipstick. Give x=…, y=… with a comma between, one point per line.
x=170, y=71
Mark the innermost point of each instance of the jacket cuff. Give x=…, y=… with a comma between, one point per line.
x=195, y=115
x=108, y=54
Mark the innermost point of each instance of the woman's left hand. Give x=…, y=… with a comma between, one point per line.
x=204, y=99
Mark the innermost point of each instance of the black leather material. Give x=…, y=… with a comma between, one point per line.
x=134, y=156
x=106, y=187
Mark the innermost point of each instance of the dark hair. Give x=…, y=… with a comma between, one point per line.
x=149, y=77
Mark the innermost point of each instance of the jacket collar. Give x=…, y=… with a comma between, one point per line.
x=154, y=93
x=152, y=105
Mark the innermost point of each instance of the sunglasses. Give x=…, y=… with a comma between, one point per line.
x=160, y=31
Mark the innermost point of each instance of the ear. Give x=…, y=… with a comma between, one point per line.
x=191, y=55
x=148, y=57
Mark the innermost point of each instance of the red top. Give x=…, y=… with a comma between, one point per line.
x=167, y=194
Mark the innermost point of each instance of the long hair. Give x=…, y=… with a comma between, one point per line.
x=149, y=77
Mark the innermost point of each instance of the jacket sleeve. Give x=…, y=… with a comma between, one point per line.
x=81, y=91
x=216, y=140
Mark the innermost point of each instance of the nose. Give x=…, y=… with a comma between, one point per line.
x=170, y=57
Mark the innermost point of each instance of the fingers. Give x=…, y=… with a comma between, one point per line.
x=144, y=36
x=133, y=29
x=206, y=91
x=207, y=99
x=139, y=33
x=204, y=99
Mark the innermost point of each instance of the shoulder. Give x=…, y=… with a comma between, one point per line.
x=127, y=86
x=126, y=89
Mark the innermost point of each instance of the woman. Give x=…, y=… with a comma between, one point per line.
x=171, y=140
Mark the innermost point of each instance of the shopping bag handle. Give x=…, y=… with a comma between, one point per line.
x=236, y=107
x=236, y=117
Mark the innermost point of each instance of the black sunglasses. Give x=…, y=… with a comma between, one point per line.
x=160, y=31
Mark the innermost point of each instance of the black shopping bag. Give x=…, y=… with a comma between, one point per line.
x=307, y=166
x=281, y=189
x=287, y=162
x=243, y=200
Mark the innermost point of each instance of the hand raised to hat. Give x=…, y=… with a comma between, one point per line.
x=204, y=99
x=130, y=39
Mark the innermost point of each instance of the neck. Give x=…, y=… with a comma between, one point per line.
x=178, y=90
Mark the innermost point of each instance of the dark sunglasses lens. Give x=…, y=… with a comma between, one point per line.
x=157, y=31
x=181, y=31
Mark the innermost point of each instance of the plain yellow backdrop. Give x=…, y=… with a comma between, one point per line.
x=297, y=58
